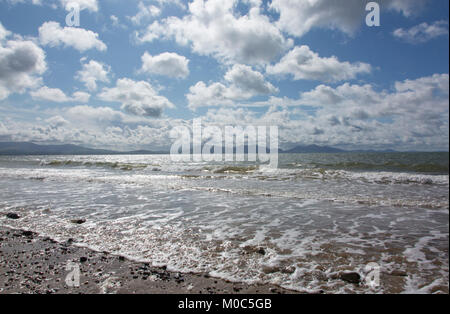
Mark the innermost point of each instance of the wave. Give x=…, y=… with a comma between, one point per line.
x=388, y=166
x=103, y=164
x=260, y=173
x=235, y=169
x=277, y=186
x=366, y=177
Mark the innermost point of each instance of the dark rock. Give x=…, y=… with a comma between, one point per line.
x=254, y=250
x=261, y=251
x=353, y=278
x=398, y=273
x=121, y=258
x=78, y=221
x=12, y=216
x=288, y=270
x=28, y=234
x=47, y=239
x=83, y=259
x=270, y=269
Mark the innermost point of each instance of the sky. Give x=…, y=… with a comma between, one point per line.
x=132, y=71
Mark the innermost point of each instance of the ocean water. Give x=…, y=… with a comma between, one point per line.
x=296, y=226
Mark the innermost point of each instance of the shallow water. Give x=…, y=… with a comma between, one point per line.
x=316, y=215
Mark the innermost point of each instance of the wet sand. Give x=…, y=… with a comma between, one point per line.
x=32, y=264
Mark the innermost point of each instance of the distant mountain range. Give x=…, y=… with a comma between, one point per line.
x=24, y=148
x=19, y=148
x=314, y=149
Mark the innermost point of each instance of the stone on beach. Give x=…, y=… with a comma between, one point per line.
x=353, y=278
x=12, y=216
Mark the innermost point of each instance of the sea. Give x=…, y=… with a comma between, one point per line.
x=301, y=226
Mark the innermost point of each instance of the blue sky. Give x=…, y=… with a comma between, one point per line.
x=133, y=70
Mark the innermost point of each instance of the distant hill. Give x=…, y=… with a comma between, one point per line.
x=23, y=148
x=313, y=149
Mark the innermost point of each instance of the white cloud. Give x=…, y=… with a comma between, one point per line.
x=35, y=2
x=91, y=5
x=412, y=115
x=3, y=32
x=167, y=64
x=213, y=95
x=178, y=3
x=213, y=28
x=93, y=72
x=56, y=122
x=423, y=32
x=22, y=63
x=56, y=95
x=145, y=13
x=81, y=97
x=242, y=83
x=138, y=98
x=53, y=35
x=417, y=108
x=298, y=17
x=407, y=7
x=115, y=20
x=50, y=94
x=249, y=82
x=304, y=64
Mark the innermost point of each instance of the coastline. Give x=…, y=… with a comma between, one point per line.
x=32, y=264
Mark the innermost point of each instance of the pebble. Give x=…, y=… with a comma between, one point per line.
x=354, y=278
x=12, y=216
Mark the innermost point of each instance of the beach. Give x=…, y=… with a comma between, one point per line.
x=30, y=264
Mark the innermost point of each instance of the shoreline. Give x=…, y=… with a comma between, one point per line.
x=32, y=264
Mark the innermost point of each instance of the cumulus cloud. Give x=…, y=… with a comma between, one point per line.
x=406, y=7
x=298, y=17
x=3, y=32
x=56, y=122
x=50, y=94
x=167, y=64
x=213, y=28
x=138, y=98
x=91, y=5
x=423, y=32
x=93, y=72
x=53, y=35
x=179, y=3
x=249, y=82
x=407, y=95
x=81, y=97
x=416, y=110
x=35, y=2
x=56, y=95
x=304, y=64
x=22, y=63
x=145, y=13
x=411, y=115
x=241, y=83
x=414, y=114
